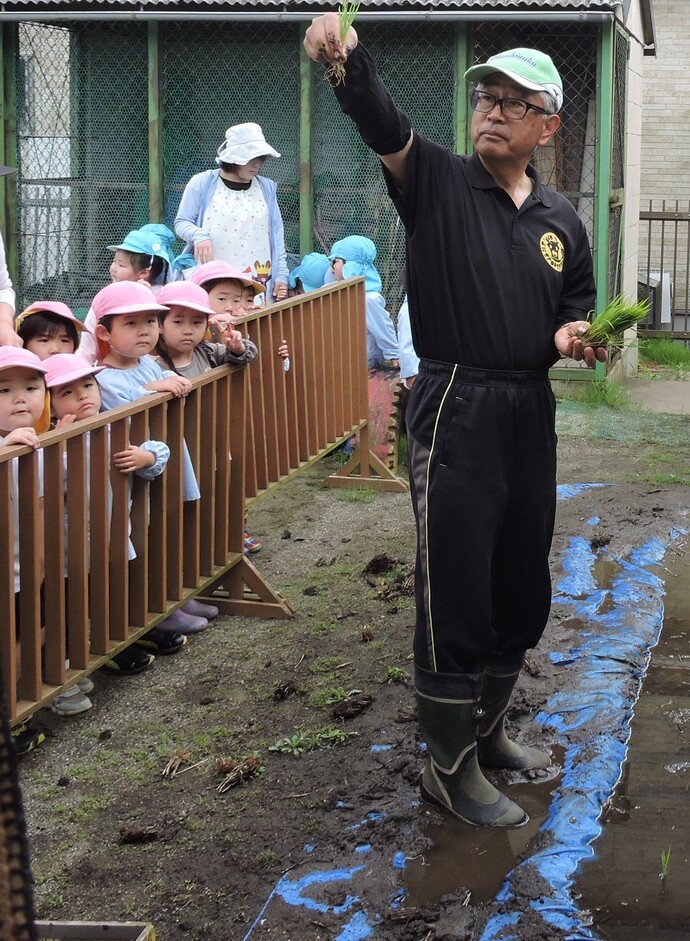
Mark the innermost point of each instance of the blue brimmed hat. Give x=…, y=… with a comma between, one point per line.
x=359, y=254
x=153, y=239
x=311, y=271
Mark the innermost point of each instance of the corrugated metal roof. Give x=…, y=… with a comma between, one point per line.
x=56, y=8
x=522, y=5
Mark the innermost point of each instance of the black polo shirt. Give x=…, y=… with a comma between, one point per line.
x=488, y=283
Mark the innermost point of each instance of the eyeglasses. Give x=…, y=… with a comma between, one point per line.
x=512, y=108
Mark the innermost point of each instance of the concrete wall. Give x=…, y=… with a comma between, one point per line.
x=633, y=161
x=665, y=152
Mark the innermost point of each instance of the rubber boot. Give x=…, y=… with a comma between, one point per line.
x=452, y=778
x=496, y=750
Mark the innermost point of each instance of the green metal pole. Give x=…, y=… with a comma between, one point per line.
x=462, y=139
x=306, y=180
x=156, y=191
x=602, y=172
x=8, y=143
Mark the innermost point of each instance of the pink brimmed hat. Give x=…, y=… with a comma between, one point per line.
x=48, y=307
x=125, y=297
x=13, y=356
x=221, y=271
x=67, y=367
x=185, y=294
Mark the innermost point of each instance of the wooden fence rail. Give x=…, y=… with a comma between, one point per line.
x=81, y=599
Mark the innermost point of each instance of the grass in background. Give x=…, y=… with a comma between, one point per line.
x=600, y=392
x=661, y=352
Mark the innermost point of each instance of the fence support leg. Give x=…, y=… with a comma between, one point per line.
x=242, y=591
x=366, y=471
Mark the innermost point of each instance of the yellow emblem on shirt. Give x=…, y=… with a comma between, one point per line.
x=552, y=250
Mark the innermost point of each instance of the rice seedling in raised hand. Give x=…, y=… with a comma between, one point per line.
x=335, y=73
x=617, y=317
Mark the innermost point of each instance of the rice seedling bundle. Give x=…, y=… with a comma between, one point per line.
x=617, y=317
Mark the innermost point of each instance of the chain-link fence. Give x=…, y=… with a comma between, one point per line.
x=83, y=131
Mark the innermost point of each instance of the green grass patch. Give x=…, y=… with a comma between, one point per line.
x=598, y=392
x=356, y=495
x=662, y=352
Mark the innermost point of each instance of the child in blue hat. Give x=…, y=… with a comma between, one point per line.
x=310, y=274
x=353, y=256
x=144, y=254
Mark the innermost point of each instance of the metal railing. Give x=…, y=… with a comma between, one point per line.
x=664, y=273
x=245, y=429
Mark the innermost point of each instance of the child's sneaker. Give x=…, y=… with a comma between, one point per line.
x=26, y=737
x=181, y=623
x=130, y=661
x=251, y=545
x=71, y=702
x=198, y=609
x=85, y=685
x=158, y=641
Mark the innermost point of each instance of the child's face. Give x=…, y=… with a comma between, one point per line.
x=48, y=344
x=132, y=335
x=82, y=398
x=247, y=298
x=122, y=269
x=337, y=266
x=183, y=329
x=225, y=297
x=22, y=398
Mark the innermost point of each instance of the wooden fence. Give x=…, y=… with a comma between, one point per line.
x=246, y=430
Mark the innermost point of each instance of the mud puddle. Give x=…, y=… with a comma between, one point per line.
x=636, y=888
x=479, y=859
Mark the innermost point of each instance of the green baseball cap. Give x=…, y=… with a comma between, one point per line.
x=528, y=68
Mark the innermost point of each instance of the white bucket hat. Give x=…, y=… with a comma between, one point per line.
x=244, y=142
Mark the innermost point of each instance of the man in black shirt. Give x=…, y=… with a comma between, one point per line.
x=500, y=282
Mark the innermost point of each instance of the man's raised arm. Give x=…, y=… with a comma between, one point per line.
x=361, y=93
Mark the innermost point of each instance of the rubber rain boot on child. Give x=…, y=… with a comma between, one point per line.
x=496, y=750
x=447, y=707
x=198, y=609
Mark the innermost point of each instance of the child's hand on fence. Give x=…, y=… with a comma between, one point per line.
x=283, y=349
x=65, y=421
x=21, y=436
x=176, y=385
x=234, y=341
x=133, y=459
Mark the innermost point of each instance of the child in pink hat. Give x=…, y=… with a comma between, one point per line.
x=224, y=286
x=126, y=333
x=183, y=344
x=75, y=396
x=49, y=327
x=22, y=412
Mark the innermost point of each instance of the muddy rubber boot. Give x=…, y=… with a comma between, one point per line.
x=496, y=750
x=452, y=778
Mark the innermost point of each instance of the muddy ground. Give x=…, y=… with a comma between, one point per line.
x=337, y=676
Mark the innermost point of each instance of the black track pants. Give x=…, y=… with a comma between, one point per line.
x=482, y=451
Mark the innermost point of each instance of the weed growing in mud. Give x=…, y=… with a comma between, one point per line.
x=303, y=741
x=329, y=696
x=268, y=859
x=665, y=863
x=395, y=675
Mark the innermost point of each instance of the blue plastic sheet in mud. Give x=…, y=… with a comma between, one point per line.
x=610, y=661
